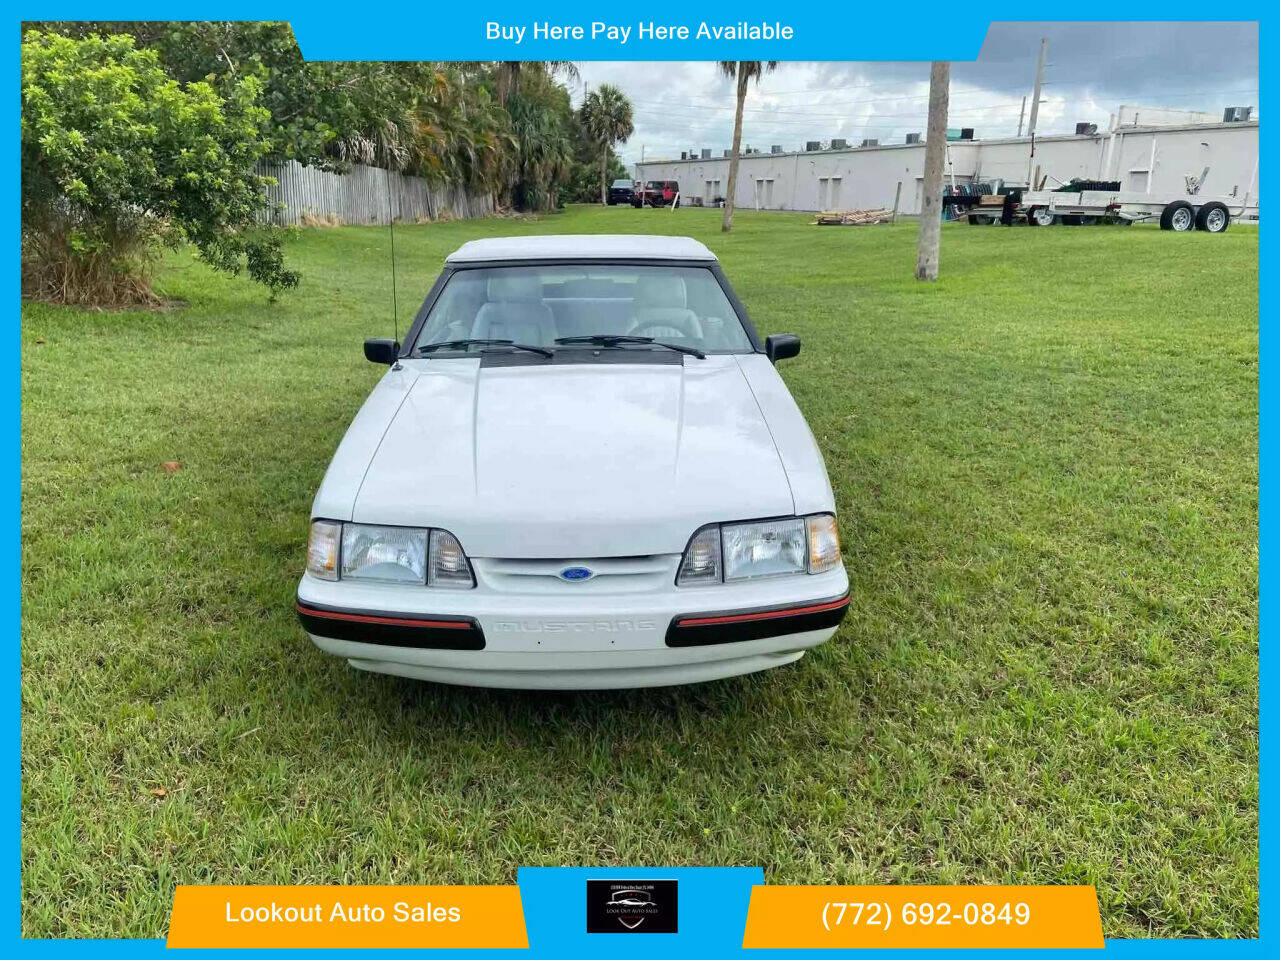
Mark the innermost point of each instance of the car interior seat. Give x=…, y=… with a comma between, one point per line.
x=661, y=309
x=515, y=311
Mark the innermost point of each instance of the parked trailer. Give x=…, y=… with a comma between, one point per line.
x=1179, y=213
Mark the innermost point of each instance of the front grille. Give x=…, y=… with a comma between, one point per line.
x=609, y=574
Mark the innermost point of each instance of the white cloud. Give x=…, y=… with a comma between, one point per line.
x=1093, y=68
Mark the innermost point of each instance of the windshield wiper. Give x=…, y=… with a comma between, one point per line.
x=613, y=340
x=460, y=344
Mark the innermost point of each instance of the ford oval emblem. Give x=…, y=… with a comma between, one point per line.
x=576, y=574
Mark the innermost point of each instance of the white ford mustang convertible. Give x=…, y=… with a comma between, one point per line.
x=580, y=471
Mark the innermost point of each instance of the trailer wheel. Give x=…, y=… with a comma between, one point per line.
x=980, y=220
x=1213, y=217
x=1040, y=217
x=1178, y=216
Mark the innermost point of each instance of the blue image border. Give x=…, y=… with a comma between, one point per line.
x=712, y=899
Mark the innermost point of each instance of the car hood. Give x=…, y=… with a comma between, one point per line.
x=574, y=460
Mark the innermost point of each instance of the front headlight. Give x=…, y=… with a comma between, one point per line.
x=769, y=549
x=731, y=552
x=393, y=554
x=411, y=555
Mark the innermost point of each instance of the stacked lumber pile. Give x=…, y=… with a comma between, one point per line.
x=854, y=218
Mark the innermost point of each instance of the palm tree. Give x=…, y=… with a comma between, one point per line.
x=606, y=119
x=935, y=149
x=509, y=72
x=744, y=71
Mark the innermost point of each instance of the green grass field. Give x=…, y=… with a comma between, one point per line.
x=1047, y=471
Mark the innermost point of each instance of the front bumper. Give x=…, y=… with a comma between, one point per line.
x=565, y=640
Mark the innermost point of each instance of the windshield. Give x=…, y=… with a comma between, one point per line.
x=620, y=184
x=538, y=303
x=654, y=185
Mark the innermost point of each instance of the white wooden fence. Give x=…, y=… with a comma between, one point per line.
x=361, y=196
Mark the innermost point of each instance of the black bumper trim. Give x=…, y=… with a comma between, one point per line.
x=422, y=631
x=734, y=626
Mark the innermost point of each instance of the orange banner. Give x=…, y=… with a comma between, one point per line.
x=347, y=917
x=898, y=916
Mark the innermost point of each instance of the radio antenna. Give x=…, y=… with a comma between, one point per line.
x=395, y=311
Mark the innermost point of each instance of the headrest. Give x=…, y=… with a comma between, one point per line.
x=660, y=290
x=515, y=285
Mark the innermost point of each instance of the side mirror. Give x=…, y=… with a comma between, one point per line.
x=781, y=346
x=381, y=350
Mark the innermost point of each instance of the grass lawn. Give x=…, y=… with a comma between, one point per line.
x=1047, y=471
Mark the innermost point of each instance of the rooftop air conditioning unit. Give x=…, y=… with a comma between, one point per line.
x=913, y=138
x=728, y=153
x=839, y=144
x=871, y=143
x=810, y=145
x=706, y=153
x=776, y=148
x=966, y=133
x=684, y=154
x=1086, y=129
x=1236, y=114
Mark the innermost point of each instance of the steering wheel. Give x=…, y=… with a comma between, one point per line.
x=662, y=329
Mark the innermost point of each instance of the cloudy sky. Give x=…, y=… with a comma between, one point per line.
x=1093, y=68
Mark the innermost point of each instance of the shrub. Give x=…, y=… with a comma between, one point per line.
x=119, y=160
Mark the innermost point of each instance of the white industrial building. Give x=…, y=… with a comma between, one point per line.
x=1154, y=159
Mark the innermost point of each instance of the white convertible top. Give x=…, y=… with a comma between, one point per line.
x=617, y=246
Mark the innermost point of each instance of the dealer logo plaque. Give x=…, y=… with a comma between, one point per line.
x=631, y=906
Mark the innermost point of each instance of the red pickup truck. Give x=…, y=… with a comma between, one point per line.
x=657, y=193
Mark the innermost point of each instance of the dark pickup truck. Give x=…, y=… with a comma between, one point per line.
x=621, y=191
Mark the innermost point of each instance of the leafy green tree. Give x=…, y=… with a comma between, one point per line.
x=501, y=127
x=452, y=122
x=606, y=118
x=543, y=128
x=326, y=114
x=582, y=185
x=119, y=159
x=510, y=72
x=463, y=134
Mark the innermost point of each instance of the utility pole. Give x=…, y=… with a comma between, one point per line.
x=935, y=151
x=1035, y=105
